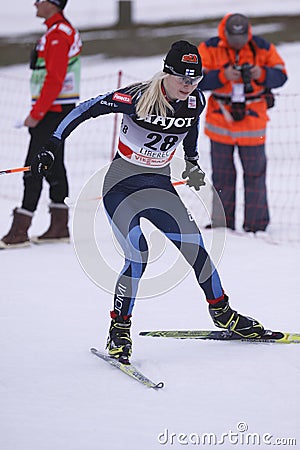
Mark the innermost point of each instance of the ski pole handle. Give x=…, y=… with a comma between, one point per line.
x=17, y=169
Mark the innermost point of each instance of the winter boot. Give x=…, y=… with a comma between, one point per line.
x=119, y=343
x=58, y=230
x=17, y=235
x=225, y=317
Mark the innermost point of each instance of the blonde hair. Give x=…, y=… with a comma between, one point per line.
x=151, y=97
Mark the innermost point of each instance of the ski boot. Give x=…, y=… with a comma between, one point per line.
x=225, y=317
x=119, y=343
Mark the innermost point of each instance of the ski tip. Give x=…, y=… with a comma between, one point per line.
x=93, y=350
x=159, y=385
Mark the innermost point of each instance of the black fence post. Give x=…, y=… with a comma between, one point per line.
x=125, y=13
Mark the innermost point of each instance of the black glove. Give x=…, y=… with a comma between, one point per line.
x=42, y=163
x=194, y=174
x=44, y=160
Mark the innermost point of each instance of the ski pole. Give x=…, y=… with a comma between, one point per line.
x=17, y=169
x=178, y=183
x=174, y=183
x=70, y=203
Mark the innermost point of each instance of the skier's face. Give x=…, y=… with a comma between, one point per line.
x=177, y=87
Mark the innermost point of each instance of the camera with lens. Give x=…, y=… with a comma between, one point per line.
x=246, y=76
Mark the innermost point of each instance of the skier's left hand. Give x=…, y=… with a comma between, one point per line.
x=194, y=174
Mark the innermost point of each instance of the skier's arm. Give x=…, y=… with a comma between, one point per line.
x=113, y=102
x=193, y=172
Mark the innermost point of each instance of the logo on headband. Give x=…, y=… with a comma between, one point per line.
x=190, y=58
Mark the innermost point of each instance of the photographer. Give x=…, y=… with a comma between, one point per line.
x=240, y=69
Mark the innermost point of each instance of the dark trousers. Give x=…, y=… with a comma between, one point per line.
x=57, y=179
x=253, y=159
x=126, y=205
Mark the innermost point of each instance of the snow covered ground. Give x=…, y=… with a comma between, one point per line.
x=56, y=395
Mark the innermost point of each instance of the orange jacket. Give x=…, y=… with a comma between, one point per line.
x=216, y=56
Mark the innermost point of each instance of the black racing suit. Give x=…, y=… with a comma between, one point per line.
x=137, y=185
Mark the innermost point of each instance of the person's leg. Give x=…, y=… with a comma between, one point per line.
x=58, y=230
x=17, y=235
x=162, y=207
x=125, y=222
x=39, y=137
x=57, y=178
x=171, y=217
x=224, y=180
x=256, y=216
x=123, y=214
x=175, y=222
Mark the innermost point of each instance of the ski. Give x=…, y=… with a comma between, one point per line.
x=269, y=336
x=128, y=369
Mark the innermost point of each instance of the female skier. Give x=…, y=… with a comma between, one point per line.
x=157, y=116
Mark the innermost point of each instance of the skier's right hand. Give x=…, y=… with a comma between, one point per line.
x=42, y=163
x=44, y=160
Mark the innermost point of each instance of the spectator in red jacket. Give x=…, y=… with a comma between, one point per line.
x=55, y=64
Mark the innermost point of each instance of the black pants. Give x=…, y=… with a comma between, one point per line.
x=57, y=178
x=253, y=159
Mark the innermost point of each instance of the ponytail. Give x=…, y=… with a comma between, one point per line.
x=151, y=99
